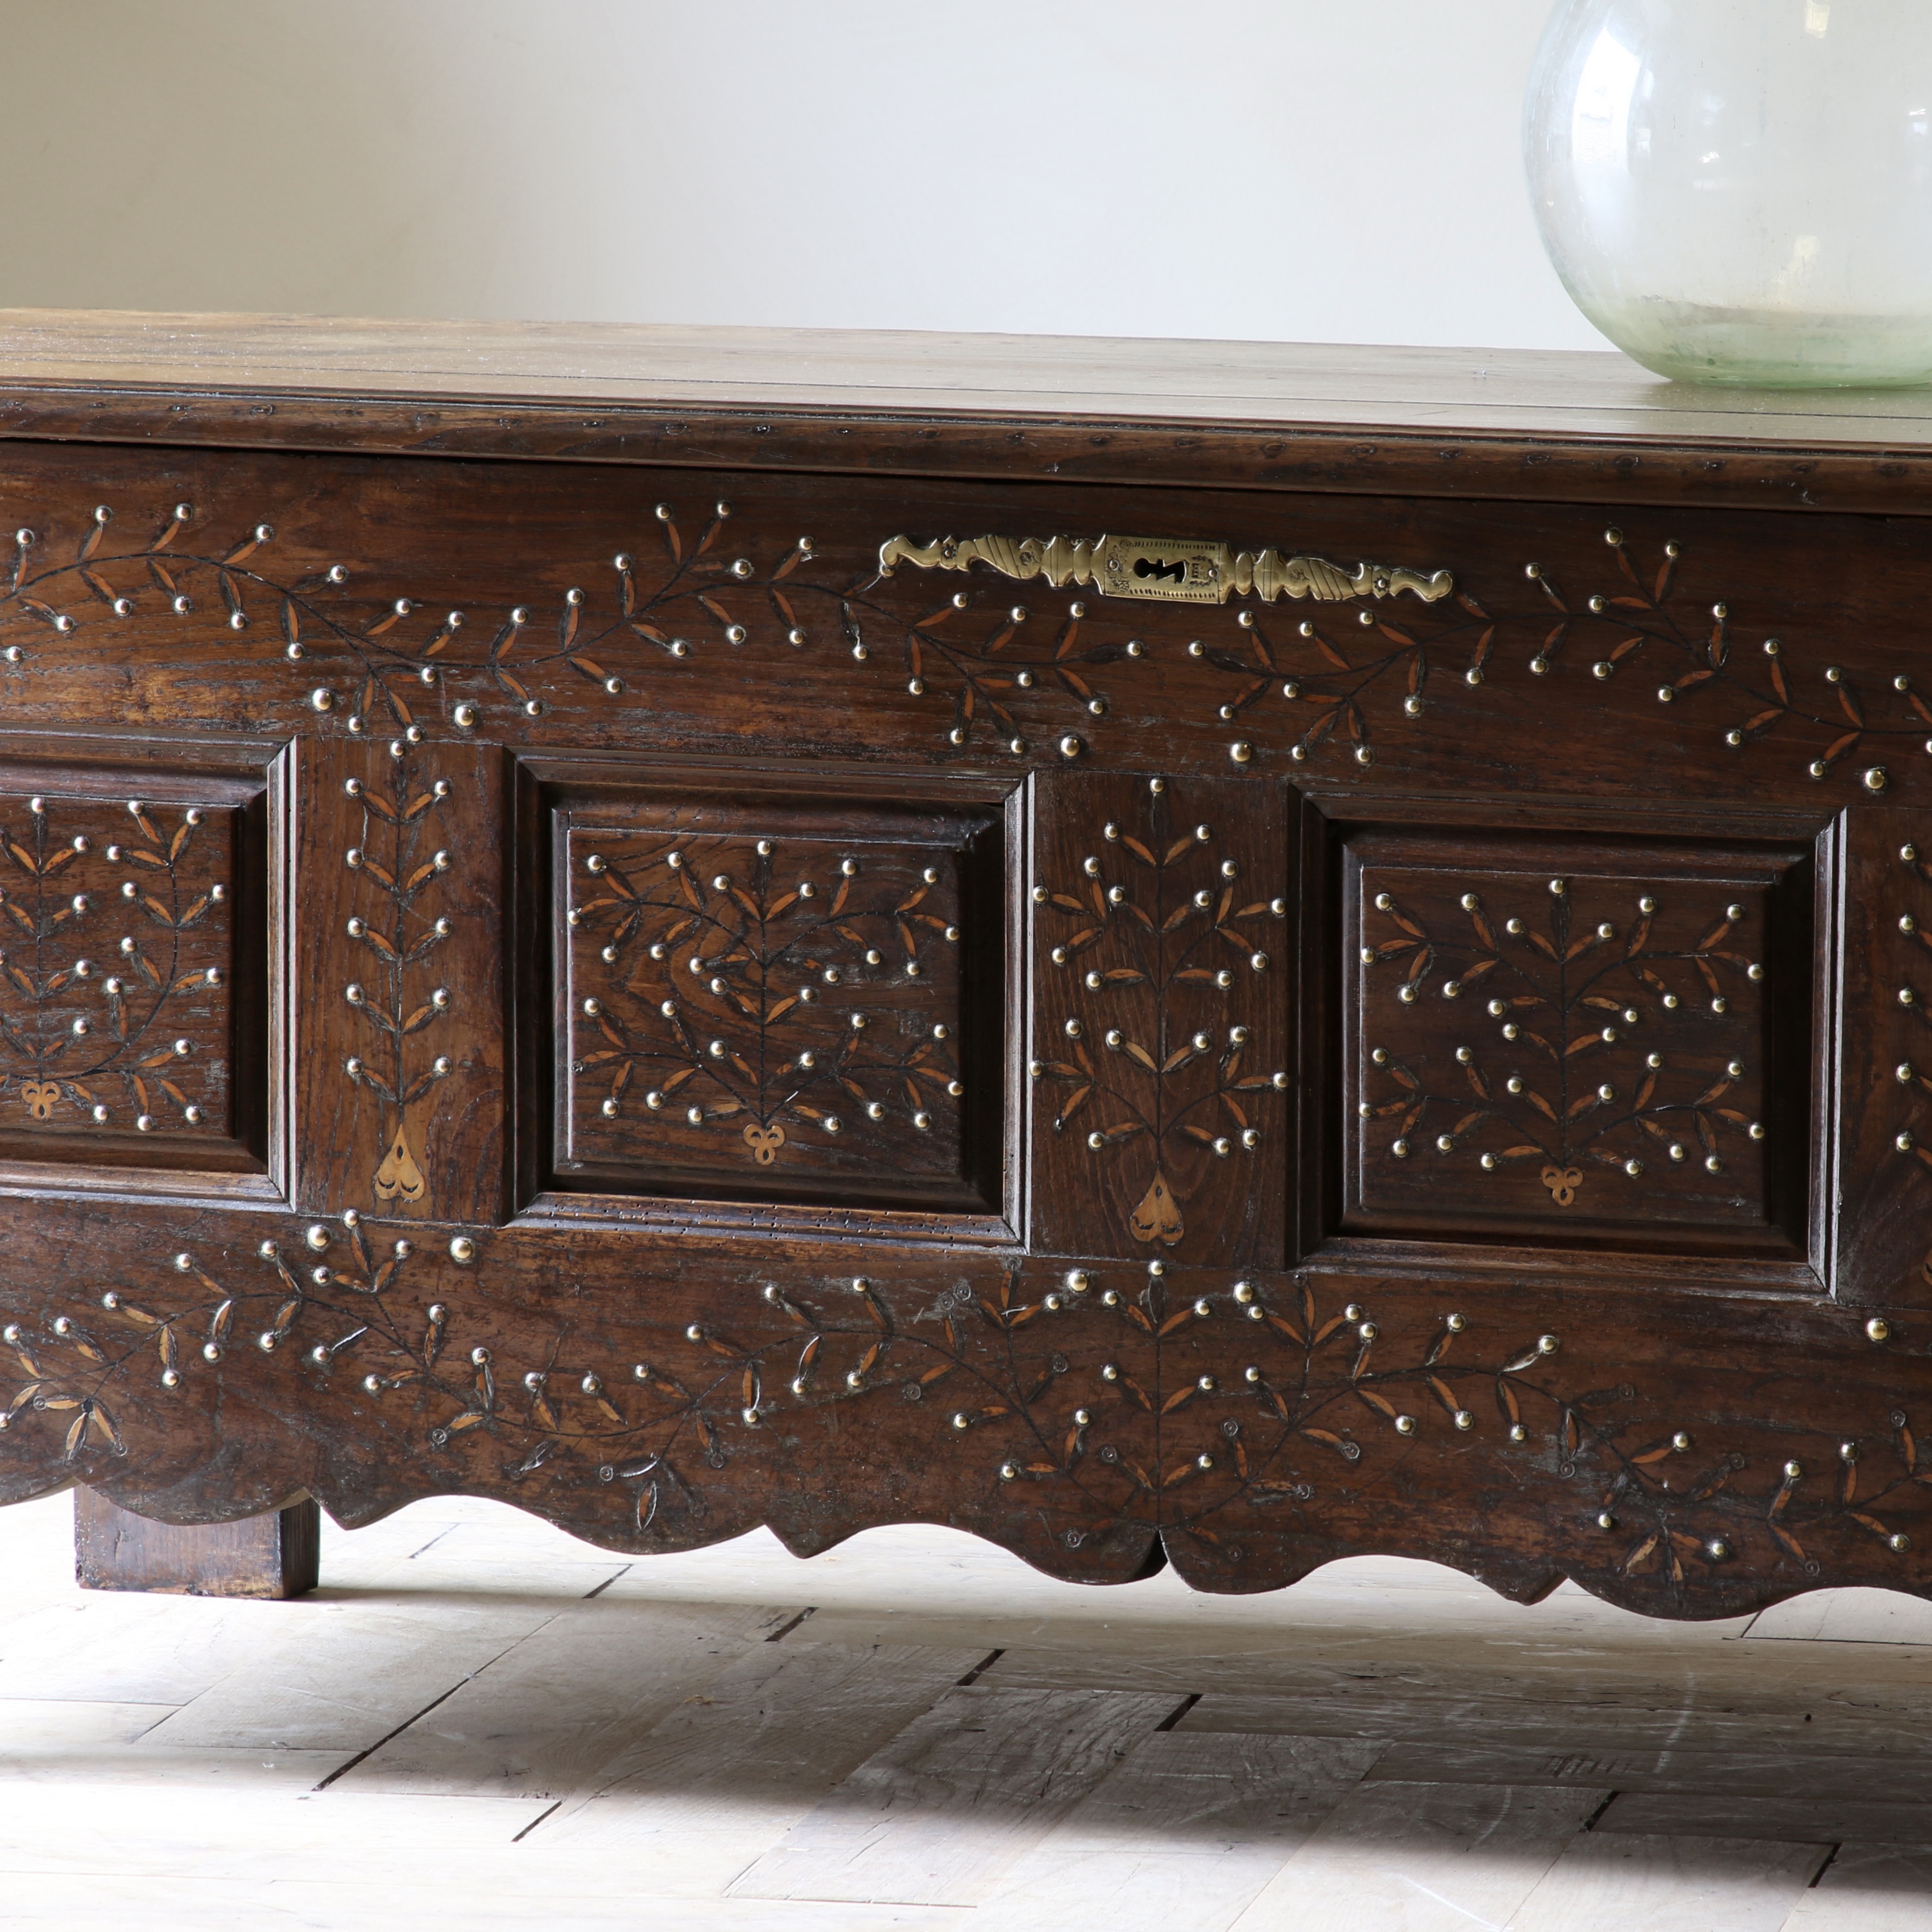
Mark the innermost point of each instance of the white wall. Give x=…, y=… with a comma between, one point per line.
x=1340, y=170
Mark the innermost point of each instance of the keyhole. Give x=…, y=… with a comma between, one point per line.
x=1145, y=567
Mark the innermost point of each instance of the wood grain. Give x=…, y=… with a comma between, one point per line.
x=271, y=1556
x=1603, y=1883
x=1015, y=1762
x=1159, y=1115
x=401, y=1002
x=1502, y=423
x=769, y=1735
x=1807, y=1819
x=552, y=1727
x=1421, y=1858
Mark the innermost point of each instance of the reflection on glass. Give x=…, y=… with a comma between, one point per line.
x=1740, y=191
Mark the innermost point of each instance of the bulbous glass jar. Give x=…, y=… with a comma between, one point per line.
x=1740, y=191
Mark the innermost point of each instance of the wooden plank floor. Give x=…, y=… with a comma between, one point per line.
x=478, y=1722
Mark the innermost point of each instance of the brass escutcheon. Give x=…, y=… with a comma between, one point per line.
x=1167, y=570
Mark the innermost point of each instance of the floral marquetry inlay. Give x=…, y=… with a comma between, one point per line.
x=758, y=1004
x=1075, y=1413
x=704, y=583
x=116, y=970
x=1594, y=1040
x=1159, y=1062
x=402, y=868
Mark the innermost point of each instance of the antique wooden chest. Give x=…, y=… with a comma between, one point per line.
x=1211, y=953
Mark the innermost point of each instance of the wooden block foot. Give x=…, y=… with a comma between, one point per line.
x=275, y=1555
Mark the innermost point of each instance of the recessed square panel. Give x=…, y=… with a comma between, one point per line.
x=124, y=1001
x=1555, y=1036
x=797, y=1002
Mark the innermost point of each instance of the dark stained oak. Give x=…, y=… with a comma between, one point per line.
x=786, y=955
x=275, y=1555
x=1160, y=1022
x=1491, y=424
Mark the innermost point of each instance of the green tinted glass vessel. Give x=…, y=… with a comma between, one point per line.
x=1740, y=191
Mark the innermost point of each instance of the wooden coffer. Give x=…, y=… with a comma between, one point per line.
x=1150, y=976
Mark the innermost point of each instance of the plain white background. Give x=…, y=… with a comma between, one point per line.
x=1338, y=170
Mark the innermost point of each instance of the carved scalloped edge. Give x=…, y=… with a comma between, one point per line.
x=1263, y=1425
x=1526, y=1582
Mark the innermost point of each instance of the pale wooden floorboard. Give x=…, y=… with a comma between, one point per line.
x=126, y=1649
x=1186, y=1831
x=1821, y=1911
x=547, y=1719
x=1606, y=1884
x=1773, y=1767
x=479, y=1720
x=1612, y=1732
x=962, y=1792
x=765, y=1740
x=1869, y=1889
x=95, y=1903
x=1848, y=1616
x=1421, y=1858
x=344, y=1679
x=1805, y=1813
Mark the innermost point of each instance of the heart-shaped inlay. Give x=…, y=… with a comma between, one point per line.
x=1158, y=1217
x=399, y=1173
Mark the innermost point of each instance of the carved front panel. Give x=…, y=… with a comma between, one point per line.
x=672, y=900
x=1884, y=1217
x=130, y=1012
x=778, y=1000
x=1575, y=1037
x=1160, y=960
x=399, y=961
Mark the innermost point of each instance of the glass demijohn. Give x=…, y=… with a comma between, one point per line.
x=1740, y=191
